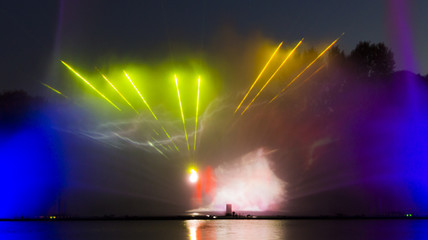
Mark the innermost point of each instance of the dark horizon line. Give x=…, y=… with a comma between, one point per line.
x=216, y=217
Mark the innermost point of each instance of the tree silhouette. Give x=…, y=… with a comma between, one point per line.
x=336, y=58
x=372, y=61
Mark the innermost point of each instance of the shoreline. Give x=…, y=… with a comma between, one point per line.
x=212, y=217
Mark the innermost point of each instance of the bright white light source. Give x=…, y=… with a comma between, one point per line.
x=193, y=176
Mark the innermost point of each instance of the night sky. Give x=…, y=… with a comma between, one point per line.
x=333, y=152
x=36, y=34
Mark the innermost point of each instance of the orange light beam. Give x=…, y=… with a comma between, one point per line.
x=102, y=95
x=315, y=72
x=258, y=77
x=310, y=64
x=273, y=75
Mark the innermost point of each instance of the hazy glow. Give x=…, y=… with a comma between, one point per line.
x=160, y=144
x=182, y=114
x=197, y=112
x=166, y=133
x=248, y=184
x=315, y=72
x=193, y=178
x=258, y=77
x=148, y=106
x=102, y=95
x=273, y=75
x=157, y=149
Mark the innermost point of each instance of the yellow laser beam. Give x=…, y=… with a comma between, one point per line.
x=136, y=89
x=102, y=95
x=310, y=64
x=53, y=89
x=166, y=133
x=181, y=109
x=120, y=94
x=273, y=75
x=160, y=144
x=157, y=149
x=197, y=112
x=148, y=106
x=258, y=77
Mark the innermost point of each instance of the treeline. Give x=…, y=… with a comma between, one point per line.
x=367, y=61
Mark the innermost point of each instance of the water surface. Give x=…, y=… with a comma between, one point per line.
x=216, y=229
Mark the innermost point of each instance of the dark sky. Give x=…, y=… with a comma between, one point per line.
x=36, y=34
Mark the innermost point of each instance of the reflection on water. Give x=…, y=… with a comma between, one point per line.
x=307, y=229
x=235, y=229
x=216, y=229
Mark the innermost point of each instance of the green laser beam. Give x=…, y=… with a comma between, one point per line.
x=136, y=89
x=182, y=114
x=153, y=114
x=160, y=144
x=53, y=89
x=157, y=149
x=197, y=112
x=166, y=133
x=102, y=95
x=120, y=94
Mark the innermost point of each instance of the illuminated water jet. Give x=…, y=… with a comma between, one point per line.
x=249, y=184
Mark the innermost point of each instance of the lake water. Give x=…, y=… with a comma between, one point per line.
x=216, y=229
